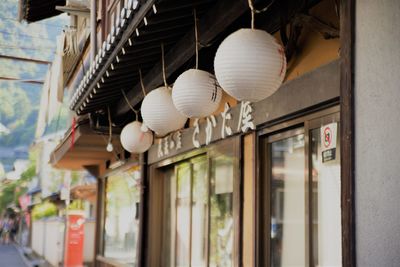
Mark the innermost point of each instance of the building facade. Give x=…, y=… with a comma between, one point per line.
x=285, y=181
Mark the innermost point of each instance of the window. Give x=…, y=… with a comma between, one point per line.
x=122, y=216
x=326, y=211
x=200, y=206
x=300, y=224
x=114, y=8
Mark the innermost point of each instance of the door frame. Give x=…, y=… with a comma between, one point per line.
x=155, y=192
x=302, y=124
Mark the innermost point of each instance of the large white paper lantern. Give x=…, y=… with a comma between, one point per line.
x=134, y=140
x=250, y=65
x=159, y=112
x=196, y=93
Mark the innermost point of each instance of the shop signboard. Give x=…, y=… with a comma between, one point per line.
x=246, y=116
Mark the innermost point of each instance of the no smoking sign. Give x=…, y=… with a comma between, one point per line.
x=328, y=141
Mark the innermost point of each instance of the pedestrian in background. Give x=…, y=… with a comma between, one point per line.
x=1, y=230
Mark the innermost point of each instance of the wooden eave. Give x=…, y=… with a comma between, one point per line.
x=136, y=45
x=82, y=149
x=85, y=192
x=35, y=10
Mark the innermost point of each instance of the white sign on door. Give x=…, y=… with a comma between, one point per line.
x=328, y=141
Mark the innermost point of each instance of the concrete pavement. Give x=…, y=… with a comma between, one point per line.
x=10, y=257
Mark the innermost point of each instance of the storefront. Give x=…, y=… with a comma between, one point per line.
x=119, y=235
x=194, y=207
x=252, y=184
x=262, y=182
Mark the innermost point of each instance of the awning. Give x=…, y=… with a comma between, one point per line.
x=85, y=192
x=35, y=10
x=83, y=148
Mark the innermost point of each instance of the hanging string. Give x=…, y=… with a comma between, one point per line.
x=257, y=11
x=141, y=83
x=163, y=65
x=252, y=13
x=110, y=125
x=129, y=104
x=196, y=35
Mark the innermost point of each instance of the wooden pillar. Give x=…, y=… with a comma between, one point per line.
x=347, y=14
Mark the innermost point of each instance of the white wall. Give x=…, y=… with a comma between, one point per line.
x=54, y=240
x=38, y=237
x=48, y=239
x=377, y=122
x=88, y=243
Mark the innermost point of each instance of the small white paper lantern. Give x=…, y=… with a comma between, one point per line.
x=196, y=93
x=134, y=140
x=109, y=147
x=250, y=65
x=159, y=113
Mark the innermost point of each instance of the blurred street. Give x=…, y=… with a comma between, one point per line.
x=9, y=257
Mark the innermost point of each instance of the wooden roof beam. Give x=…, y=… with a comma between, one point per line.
x=221, y=16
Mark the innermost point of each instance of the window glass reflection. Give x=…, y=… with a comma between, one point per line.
x=183, y=207
x=326, y=212
x=122, y=217
x=198, y=225
x=288, y=217
x=199, y=213
x=221, y=211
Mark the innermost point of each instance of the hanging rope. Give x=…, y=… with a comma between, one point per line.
x=141, y=83
x=129, y=104
x=163, y=65
x=196, y=35
x=252, y=13
x=110, y=125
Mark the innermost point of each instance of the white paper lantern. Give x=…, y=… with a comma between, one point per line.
x=109, y=147
x=196, y=93
x=250, y=65
x=134, y=140
x=159, y=112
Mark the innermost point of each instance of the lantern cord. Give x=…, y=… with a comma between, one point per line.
x=163, y=65
x=129, y=104
x=141, y=82
x=196, y=35
x=257, y=11
x=110, y=125
x=252, y=13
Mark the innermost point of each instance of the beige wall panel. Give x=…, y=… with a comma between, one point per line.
x=248, y=201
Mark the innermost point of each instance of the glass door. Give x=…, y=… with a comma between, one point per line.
x=299, y=195
x=199, y=217
x=288, y=199
x=325, y=186
x=185, y=214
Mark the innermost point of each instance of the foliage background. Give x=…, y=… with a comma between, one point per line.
x=19, y=102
